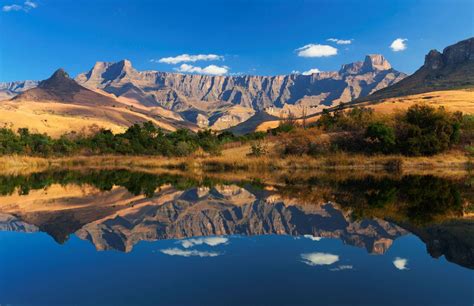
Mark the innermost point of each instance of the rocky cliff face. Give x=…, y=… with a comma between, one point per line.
x=181, y=91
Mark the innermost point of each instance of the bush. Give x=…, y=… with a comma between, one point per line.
x=301, y=141
x=258, y=148
x=424, y=130
x=355, y=119
x=467, y=130
x=380, y=138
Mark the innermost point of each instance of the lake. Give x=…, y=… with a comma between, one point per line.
x=118, y=237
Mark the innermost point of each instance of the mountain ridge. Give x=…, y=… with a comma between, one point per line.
x=216, y=102
x=177, y=91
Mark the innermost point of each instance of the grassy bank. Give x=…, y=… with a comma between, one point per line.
x=236, y=159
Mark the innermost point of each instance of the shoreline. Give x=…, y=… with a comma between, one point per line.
x=455, y=162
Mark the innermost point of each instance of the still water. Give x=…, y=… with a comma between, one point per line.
x=130, y=238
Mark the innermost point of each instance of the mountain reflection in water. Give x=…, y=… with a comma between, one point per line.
x=115, y=210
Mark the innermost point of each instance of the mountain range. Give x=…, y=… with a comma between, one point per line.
x=116, y=95
x=198, y=101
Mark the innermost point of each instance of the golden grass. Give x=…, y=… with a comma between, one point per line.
x=14, y=164
x=452, y=100
x=55, y=118
x=454, y=163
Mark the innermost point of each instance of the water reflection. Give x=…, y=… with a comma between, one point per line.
x=115, y=210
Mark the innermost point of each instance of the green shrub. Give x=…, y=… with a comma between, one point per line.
x=424, y=130
x=258, y=148
x=380, y=138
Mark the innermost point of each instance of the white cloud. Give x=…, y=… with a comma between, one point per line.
x=13, y=7
x=295, y=72
x=183, y=58
x=311, y=236
x=188, y=253
x=316, y=50
x=28, y=5
x=210, y=241
x=210, y=70
x=400, y=263
x=319, y=259
x=340, y=41
x=311, y=71
x=399, y=44
x=342, y=267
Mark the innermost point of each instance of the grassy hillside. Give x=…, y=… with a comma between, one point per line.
x=56, y=119
x=453, y=100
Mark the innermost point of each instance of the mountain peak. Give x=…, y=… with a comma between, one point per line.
x=59, y=74
x=375, y=62
x=126, y=63
x=60, y=81
x=59, y=77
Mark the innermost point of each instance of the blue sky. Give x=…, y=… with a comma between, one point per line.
x=250, y=37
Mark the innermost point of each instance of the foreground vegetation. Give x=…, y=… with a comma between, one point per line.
x=421, y=137
x=139, y=139
x=419, y=131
